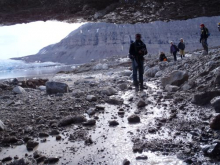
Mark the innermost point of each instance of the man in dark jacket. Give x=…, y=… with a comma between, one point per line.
x=181, y=47
x=162, y=57
x=137, y=51
x=203, y=38
x=173, y=50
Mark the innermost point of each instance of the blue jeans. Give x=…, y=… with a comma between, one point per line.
x=139, y=68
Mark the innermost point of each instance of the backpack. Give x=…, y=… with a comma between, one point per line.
x=207, y=32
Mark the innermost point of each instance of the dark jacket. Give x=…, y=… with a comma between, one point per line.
x=181, y=45
x=204, y=33
x=162, y=57
x=173, y=49
x=136, y=48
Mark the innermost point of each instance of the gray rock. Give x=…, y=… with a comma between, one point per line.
x=56, y=87
x=142, y=157
x=43, y=134
x=176, y=78
x=31, y=145
x=2, y=126
x=115, y=101
x=204, y=98
x=123, y=86
x=171, y=88
x=152, y=71
x=134, y=119
x=159, y=74
x=91, y=111
x=186, y=87
x=141, y=103
x=51, y=160
x=126, y=73
x=54, y=132
x=71, y=120
x=216, y=104
x=19, y=90
x=91, y=98
x=42, y=88
x=108, y=91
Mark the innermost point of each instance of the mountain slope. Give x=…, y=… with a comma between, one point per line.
x=103, y=40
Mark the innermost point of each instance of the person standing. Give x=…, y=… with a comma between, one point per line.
x=181, y=47
x=173, y=50
x=219, y=26
x=203, y=38
x=136, y=52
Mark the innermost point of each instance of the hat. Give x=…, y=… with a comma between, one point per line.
x=202, y=25
x=138, y=35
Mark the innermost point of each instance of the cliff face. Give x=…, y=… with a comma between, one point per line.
x=103, y=40
x=114, y=11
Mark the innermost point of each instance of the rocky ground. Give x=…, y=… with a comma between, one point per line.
x=92, y=115
x=114, y=11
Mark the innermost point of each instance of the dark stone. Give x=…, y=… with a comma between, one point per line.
x=134, y=119
x=10, y=140
x=41, y=159
x=31, y=145
x=58, y=137
x=143, y=157
x=43, y=134
x=89, y=123
x=141, y=103
x=126, y=162
x=113, y=123
x=56, y=87
x=51, y=160
x=6, y=159
x=204, y=97
x=71, y=120
x=88, y=141
x=54, y=132
x=217, y=80
x=215, y=123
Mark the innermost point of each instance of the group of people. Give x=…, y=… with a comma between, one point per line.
x=138, y=49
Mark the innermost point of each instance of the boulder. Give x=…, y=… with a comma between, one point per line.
x=186, y=87
x=134, y=119
x=142, y=157
x=141, y=103
x=42, y=88
x=56, y=87
x=113, y=123
x=152, y=71
x=109, y=91
x=2, y=126
x=204, y=98
x=216, y=104
x=91, y=98
x=123, y=86
x=215, y=122
x=126, y=162
x=101, y=67
x=31, y=145
x=91, y=111
x=19, y=90
x=126, y=73
x=159, y=74
x=72, y=120
x=115, y=101
x=171, y=88
x=176, y=78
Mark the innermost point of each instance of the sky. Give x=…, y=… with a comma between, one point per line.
x=27, y=39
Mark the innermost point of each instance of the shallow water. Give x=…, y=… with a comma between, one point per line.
x=111, y=144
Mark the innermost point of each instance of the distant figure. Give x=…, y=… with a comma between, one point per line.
x=162, y=57
x=219, y=26
x=136, y=53
x=173, y=50
x=181, y=47
x=203, y=38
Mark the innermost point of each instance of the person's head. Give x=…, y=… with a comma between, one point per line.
x=171, y=42
x=138, y=36
x=181, y=40
x=162, y=53
x=202, y=26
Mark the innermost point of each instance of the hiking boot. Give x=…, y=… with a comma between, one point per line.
x=136, y=88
